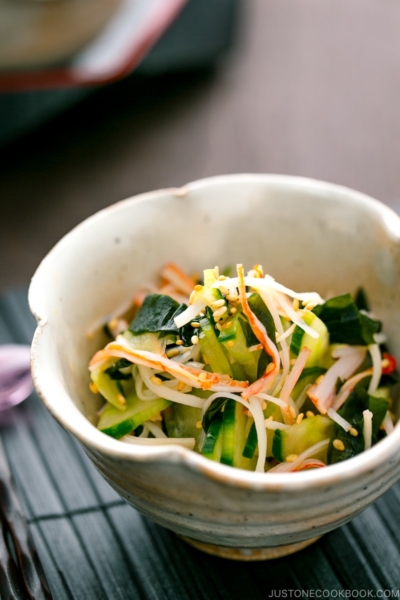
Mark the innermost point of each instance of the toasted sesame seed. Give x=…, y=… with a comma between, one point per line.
x=93, y=387
x=179, y=342
x=310, y=414
x=194, y=339
x=292, y=361
x=270, y=418
x=353, y=431
x=203, y=377
x=221, y=278
x=296, y=304
x=224, y=290
x=292, y=411
x=338, y=444
x=181, y=385
x=194, y=324
x=291, y=457
x=264, y=405
x=310, y=305
x=198, y=288
x=385, y=363
x=270, y=368
x=173, y=352
x=216, y=272
x=232, y=310
x=156, y=380
x=156, y=418
x=232, y=297
x=319, y=379
x=231, y=343
x=121, y=399
x=218, y=303
x=113, y=323
x=218, y=326
x=199, y=425
x=299, y=419
x=219, y=313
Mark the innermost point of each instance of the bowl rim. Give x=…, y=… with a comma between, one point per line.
x=363, y=464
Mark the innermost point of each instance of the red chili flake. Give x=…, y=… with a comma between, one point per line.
x=391, y=366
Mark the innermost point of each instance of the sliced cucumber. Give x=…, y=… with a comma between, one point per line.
x=211, y=349
x=318, y=346
x=181, y=420
x=274, y=411
x=234, y=341
x=213, y=441
x=297, y=438
x=115, y=423
x=234, y=437
x=112, y=389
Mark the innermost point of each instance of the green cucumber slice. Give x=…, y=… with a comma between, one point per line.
x=181, y=420
x=211, y=349
x=213, y=441
x=115, y=423
x=318, y=346
x=297, y=438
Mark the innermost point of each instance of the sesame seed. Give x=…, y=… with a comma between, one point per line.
x=228, y=324
x=181, y=385
x=93, y=387
x=232, y=310
x=300, y=418
x=232, y=297
x=319, y=379
x=156, y=380
x=218, y=303
x=338, y=444
x=292, y=411
x=353, y=431
x=198, y=288
x=156, y=418
x=291, y=457
x=270, y=368
x=179, y=342
x=121, y=399
x=198, y=425
x=218, y=326
x=216, y=272
x=219, y=313
x=224, y=290
x=270, y=418
x=221, y=278
x=230, y=344
x=310, y=305
x=296, y=304
x=173, y=352
x=194, y=324
x=264, y=405
x=310, y=414
x=194, y=339
x=203, y=376
x=385, y=363
x=292, y=361
x=113, y=323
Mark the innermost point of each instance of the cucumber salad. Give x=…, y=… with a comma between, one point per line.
x=246, y=371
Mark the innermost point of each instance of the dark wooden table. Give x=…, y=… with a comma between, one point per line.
x=312, y=89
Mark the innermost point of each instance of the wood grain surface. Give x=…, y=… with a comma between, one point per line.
x=312, y=88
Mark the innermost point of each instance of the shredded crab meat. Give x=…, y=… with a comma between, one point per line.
x=323, y=392
x=348, y=387
x=310, y=463
x=189, y=375
x=178, y=278
x=266, y=381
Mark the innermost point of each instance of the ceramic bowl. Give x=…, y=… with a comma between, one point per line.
x=309, y=235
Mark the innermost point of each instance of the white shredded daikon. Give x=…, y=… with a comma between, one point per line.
x=275, y=425
x=287, y=467
x=210, y=400
x=380, y=338
x=294, y=316
x=338, y=419
x=142, y=394
x=186, y=442
x=376, y=357
x=145, y=432
x=190, y=313
x=272, y=399
x=163, y=391
x=367, y=429
x=341, y=351
x=258, y=415
x=286, y=333
x=155, y=430
x=285, y=356
x=348, y=387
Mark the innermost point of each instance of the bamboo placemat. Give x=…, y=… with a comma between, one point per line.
x=93, y=545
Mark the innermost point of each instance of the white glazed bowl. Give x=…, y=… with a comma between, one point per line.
x=309, y=235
